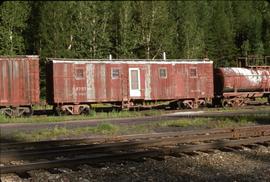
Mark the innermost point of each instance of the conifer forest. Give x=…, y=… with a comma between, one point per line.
x=220, y=30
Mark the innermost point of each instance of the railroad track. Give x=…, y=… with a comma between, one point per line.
x=69, y=153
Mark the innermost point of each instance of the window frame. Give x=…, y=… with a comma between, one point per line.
x=79, y=74
x=190, y=72
x=166, y=73
x=112, y=73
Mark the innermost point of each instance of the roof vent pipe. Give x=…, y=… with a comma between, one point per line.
x=164, y=55
x=110, y=57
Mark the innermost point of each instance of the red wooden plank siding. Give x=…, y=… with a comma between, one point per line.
x=109, y=81
x=19, y=81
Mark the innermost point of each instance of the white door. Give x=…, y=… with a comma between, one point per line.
x=134, y=82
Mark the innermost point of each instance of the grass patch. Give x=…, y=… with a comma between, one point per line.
x=57, y=132
x=232, y=109
x=184, y=122
x=209, y=122
x=92, y=115
x=43, y=134
x=109, y=129
x=107, y=115
x=3, y=118
x=106, y=128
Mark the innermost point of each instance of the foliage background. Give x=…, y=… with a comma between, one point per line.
x=220, y=30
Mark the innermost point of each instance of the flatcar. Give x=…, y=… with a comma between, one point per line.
x=19, y=84
x=74, y=84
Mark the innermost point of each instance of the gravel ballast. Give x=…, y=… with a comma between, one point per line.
x=241, y=165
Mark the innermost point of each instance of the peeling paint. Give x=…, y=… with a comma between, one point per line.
x=252, y=75
x=148, y=82
x=19, y=82
x=100, y=87
x=66, y=88
x=90, y=80
x=245, y=79
x=102, y=81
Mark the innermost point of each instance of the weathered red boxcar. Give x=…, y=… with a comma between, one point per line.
x=19, y=84
x=235, y=86
x=73, y=84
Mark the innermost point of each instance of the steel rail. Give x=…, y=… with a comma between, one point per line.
x=94, y=148
x=57, y=143
x=105, y=157
x=90, y=149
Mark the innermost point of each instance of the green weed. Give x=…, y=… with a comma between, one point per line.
x=106, y=128
x=2, y=118
x=93, y=115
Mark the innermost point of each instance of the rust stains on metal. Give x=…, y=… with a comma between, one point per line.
x=242, y=79
x=128, y=80
x=19, y=83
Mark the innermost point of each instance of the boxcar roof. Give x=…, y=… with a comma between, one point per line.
x=131, y=61
x=18, y=56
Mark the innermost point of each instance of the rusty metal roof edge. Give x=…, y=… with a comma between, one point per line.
x=248, y=67
x=19, y=56
x=167, y=61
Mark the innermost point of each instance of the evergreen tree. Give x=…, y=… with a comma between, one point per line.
x=32, y=36
x=220, y=42
x=13, y=22
x=189, y=34
x=136, y=29
x=242, y=15
x=203, y=12
x=54, y=29
x=92, y=29
x=266, y=28
x=155, y=28
x=124, y=33
x=255, y=33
